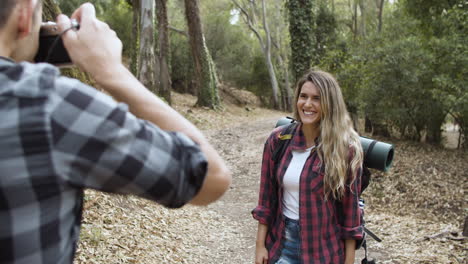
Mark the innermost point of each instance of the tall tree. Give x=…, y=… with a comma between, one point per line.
x=135, y=36
x=363, y=27
x=250, y=13
x=380, y=7
x=147, y=60
x=164, y=89
x=282, y=54
x=206, y=80
x=301, y=21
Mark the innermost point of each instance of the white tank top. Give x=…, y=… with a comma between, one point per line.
x=291, y=183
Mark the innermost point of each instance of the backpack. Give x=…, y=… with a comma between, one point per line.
x=284, y=140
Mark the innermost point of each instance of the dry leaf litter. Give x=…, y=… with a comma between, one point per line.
x=417, y=208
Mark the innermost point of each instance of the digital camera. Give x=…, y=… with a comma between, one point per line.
x=51, y=48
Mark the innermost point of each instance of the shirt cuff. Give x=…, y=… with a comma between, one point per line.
x=192, y=173
x=355, y=233
x=262, y=214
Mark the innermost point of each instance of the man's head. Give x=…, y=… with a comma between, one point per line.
x=20, y=21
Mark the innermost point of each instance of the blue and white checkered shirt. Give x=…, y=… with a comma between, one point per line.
x=59, y=136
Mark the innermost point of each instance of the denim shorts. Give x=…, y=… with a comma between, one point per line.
x=291, y=252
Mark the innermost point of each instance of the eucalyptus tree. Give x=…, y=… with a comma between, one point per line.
x=205, y=77
x=135, y=38
x=250, y=12
x=147, y=59
x=164, y=88
x=281, y=42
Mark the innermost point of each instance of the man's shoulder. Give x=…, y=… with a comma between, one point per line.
x=28, y=80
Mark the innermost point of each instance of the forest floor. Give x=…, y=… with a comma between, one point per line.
x=417, y=208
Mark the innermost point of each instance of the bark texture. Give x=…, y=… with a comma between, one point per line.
x=135, y=36
x=206, y=80
x=147, y=59
x=164, y=50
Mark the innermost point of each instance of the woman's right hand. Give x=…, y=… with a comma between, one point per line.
x=261, y=255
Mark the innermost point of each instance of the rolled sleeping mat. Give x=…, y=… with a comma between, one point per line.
x=377, y=155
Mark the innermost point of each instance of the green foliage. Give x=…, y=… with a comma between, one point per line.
x=301, y=21
x=430, y=12
x=451, y=67
x=116, y=13
x=260, y=80
x=411, y=75
x=181, y=63
x=231, y=47
x=325, y=32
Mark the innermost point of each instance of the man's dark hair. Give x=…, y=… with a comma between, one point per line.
x=5, y=11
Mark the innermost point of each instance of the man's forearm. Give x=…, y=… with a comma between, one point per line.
x=96, y=49
x=124, y=87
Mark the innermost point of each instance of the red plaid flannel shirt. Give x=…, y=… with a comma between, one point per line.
x=324, y=224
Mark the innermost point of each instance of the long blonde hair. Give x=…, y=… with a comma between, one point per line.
x=336, y=133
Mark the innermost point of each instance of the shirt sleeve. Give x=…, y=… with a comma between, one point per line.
x=97, y=143
x=267, y=200
x=350, y=213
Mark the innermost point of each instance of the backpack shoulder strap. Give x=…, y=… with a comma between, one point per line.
x=284, y=138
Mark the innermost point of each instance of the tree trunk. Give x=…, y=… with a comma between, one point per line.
x=355, y=20
x=147, y=60
x=269, y=63
x=362, y=8
x=206, y=80
x=163, y=39
x=286, y=95
x=302, y=43
x=381, y=7
x=135, y=37
x=50, y=11
x=381, y=130
x=265, y=44
x=367, y=124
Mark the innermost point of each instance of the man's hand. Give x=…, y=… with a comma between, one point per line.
x=95, y=48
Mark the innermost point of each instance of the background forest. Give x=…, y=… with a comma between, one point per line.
x=403, y=68
x=403, y=65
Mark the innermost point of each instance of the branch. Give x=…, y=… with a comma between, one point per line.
x=178, y=31
x=265, y=26
x=249, y=22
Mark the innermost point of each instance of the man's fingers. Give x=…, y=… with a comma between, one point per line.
x=64, y=23
x=85, y=14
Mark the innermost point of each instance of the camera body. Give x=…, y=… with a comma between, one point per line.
x=377, y=155
x=51, y=48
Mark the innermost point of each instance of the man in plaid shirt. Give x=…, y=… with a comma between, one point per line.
x=59, y=136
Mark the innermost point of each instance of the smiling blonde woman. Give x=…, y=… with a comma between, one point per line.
x=308, y=202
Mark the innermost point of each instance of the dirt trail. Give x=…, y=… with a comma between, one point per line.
x=242, y=148
x=417, y=207
x=233, y=238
